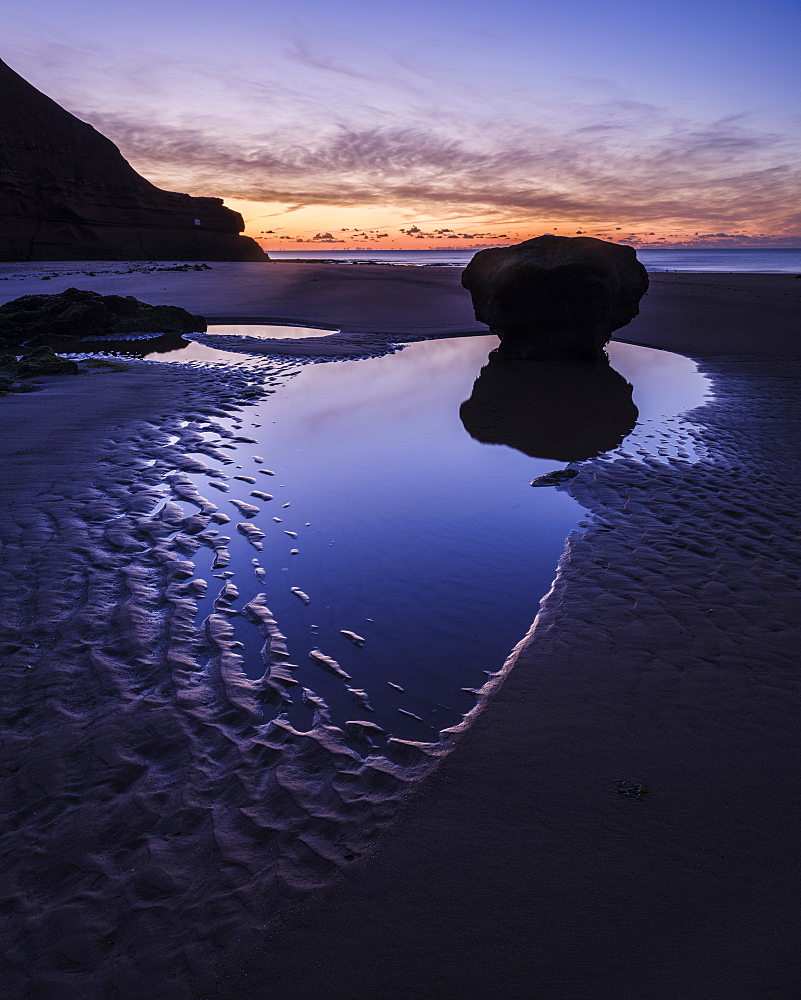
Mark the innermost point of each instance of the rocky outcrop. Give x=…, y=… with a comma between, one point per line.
x=556, y=296
x=78, y=315
x=67, y=193
x=15, y=372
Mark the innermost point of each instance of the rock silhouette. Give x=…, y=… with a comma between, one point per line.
x=561, y=410
x=67, y=193
x=556, y=296
x=76, y=314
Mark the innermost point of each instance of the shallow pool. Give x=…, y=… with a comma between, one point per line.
x=402, y=527
x=268, y=331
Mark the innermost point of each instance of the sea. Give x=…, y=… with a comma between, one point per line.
x=773, y=261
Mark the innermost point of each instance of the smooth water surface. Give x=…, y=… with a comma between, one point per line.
x=426, y=543
x=268, y=331
x=180, y=348
x=664, y=383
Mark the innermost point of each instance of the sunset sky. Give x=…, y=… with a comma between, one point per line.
x=444, y=123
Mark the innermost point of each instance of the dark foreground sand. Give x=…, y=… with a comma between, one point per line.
x=666, y=653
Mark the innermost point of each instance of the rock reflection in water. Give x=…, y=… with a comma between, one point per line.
x=561, y=410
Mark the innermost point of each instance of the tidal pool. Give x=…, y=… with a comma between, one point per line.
x=268, y=331
x=178, y=348
x=402, y=528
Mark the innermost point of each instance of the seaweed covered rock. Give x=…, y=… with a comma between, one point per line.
x=556, y=296
x=76, y=314
x=15, y=372
x=43, y=361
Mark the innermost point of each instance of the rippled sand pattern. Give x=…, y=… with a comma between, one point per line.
x=709, y=531
x=149, y=814
x=146, y=806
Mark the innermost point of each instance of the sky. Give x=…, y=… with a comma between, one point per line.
x=446, y=123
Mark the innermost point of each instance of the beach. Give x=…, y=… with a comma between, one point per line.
x=664, y=656
x=701, y=313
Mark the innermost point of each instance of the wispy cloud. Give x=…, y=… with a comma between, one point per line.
x=634, y=162
x=315, y=123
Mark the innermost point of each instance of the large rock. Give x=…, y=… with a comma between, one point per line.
x=67, y=193
x=77, y=314
x=556, y=296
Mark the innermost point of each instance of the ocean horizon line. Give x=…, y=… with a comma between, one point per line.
x=769, y=260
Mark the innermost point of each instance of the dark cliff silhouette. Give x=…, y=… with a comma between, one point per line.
x=561, y=410
x=67, y=193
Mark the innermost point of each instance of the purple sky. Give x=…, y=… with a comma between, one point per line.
x=322, y=122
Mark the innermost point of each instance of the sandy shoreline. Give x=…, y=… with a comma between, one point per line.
x=682, y=597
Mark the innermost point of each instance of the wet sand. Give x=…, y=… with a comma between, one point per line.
x=665, y=655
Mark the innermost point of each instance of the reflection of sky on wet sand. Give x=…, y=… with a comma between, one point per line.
x=182, y=349
x=401, y=518
x=664, y=383
x=399, y=394
x=267, y=331
x=173, y=349
x=201, y=353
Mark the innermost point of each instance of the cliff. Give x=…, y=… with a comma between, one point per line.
x=67, y=193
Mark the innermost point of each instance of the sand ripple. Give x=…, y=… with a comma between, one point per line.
x=147, y=803
x=150, y=811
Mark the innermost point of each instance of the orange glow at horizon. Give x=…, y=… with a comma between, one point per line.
x=369, y=228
